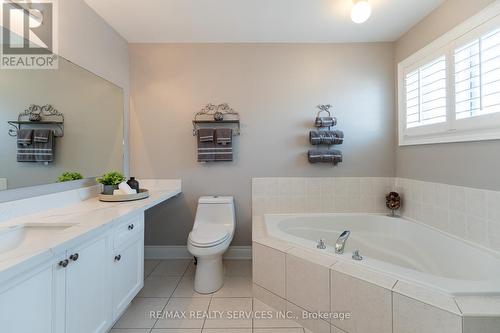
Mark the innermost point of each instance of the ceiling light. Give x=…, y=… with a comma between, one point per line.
x=361, y=11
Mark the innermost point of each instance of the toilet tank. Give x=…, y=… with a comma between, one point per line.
x=216, y=210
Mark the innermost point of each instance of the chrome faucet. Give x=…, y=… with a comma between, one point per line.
x=340, y=244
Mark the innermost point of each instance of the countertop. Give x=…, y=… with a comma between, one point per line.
x=87, y=218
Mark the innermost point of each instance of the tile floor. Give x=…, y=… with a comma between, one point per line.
x=168, y=286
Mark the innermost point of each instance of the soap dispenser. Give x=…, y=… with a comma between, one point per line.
x=134, y=184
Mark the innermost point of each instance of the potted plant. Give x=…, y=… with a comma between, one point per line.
x=110, y=181
x=69, y=176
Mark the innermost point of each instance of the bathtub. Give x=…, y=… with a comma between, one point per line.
x=398, y=247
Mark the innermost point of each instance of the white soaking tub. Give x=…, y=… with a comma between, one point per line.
x=404, y=249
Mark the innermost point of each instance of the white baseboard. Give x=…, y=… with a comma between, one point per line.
x=181, y=252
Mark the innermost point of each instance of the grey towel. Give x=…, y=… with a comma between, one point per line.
x=324, y=155
x=24, y=137
x=224, y=136
x=224, y=139
x=326, y=137
x=38, y=151
x=206, y=151
x=325, y=121
x=206, y=134
x=41, y=135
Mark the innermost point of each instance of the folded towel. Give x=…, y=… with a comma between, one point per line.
x=326, y=137
x=206, y=134
x=325, y=121
x=25, y=136
x=41, y=135
x=206, y=145
x=37, y=151
x=324, y=155
x=224, y=136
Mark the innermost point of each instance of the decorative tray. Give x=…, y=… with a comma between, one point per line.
x=142, y=194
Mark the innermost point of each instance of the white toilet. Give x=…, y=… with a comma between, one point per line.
x=212, y=233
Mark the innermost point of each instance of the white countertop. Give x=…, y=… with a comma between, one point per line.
x=90, y=217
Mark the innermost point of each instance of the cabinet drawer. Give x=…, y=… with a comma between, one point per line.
x=126, y=230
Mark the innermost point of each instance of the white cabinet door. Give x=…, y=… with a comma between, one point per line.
x=127, y=274
x=29, y=304
x=88, y=294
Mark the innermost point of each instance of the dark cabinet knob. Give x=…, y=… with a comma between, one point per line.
x=74, y=257
x=118, y=257
x=130, y=227
x=64, y=263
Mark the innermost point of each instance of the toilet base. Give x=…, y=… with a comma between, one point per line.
x=209, y=275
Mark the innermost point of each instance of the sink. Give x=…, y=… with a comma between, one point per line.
x=12, y=237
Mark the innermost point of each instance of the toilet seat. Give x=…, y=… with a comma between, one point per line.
x=208, y=235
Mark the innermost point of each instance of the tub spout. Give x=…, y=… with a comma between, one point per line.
x=340, y=244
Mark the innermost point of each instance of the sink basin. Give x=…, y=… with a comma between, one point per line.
x=13, y=237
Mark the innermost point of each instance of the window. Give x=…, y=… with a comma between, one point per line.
x=450, y=90
x=477, y=77
x=426, y=94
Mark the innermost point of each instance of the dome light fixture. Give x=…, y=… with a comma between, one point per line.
x=361, y=11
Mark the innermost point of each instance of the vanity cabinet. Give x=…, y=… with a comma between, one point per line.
x=88, y=300
x=127, y=276
x=32, y=302
x=83, y=289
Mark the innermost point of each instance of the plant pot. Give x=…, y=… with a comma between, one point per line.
x=108, y=189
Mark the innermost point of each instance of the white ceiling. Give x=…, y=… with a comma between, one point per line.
x=259, y=20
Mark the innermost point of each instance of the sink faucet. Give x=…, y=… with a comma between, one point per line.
x=340, y=244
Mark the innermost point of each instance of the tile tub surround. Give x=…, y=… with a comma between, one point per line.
x=320, y=194
x=79, y=207
x=467, y=213
x=376, y=301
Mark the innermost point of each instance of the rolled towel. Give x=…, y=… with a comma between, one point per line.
x=118, y=192
x=326, y=137
x=126, y=189
x=324, y=156
x=325, y=121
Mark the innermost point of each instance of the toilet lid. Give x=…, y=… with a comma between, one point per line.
x=208, y=235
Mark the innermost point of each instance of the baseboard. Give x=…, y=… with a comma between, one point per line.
x=181, y=252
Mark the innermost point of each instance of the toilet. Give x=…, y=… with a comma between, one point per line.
x=212, y=233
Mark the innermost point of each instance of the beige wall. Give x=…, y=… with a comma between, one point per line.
x=473, y=164
x=275, y=87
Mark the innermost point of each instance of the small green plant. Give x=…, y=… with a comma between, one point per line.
x=69, y=176
x=111, y=178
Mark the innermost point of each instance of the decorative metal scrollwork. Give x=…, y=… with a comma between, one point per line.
x=35, y=115
x=212, y=113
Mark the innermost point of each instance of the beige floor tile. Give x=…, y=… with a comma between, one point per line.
x=235, y=286
x=149, y=266
x=175, y=330
x=138, y=314
x=171, y=267
x=159, y=286
x=125, y=330
x=279, y=330
x=238, y=267
x=275, y=320
x=185, y=288
x=186, y=310
x=227, y=330
x=191, y=270
x=235, y=313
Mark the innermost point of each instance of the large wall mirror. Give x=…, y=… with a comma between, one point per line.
x=87, y=139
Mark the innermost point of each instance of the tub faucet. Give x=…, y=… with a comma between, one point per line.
x=340, y=244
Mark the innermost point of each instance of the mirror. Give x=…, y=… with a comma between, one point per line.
x=92, y=120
